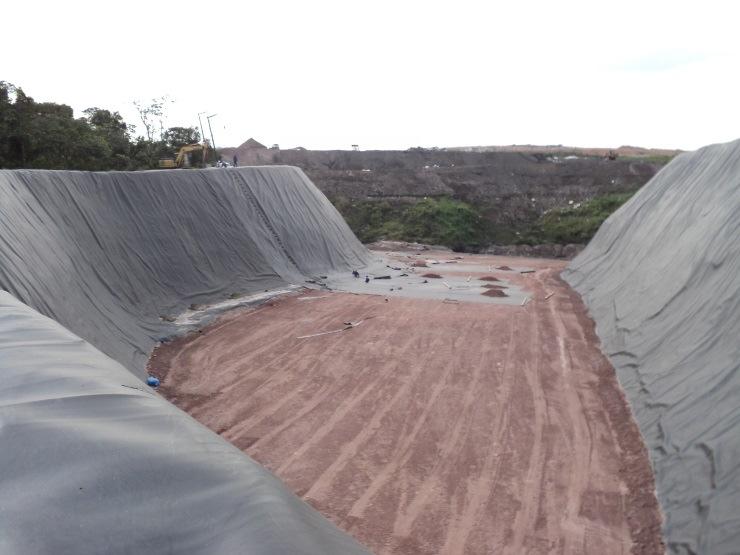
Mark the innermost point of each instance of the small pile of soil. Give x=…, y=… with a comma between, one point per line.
x=420, y=264
x=493, y=286
x=489, y=278
x=494, y=293
x=430, y=275
x=506, y=268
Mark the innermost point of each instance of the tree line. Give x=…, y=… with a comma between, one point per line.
x=46, y=135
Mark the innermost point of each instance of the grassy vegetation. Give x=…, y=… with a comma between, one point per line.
x=574, y=224
x=661, y=159
x=434, y=221
x=463, y=227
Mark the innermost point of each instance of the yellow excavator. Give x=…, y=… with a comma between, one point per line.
x=183, y=158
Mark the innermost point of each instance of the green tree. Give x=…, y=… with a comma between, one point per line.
x=152, y=116
x=13, y=106
x=176, y=137
x=110, y=127
x=47, y=135
x=54, y=139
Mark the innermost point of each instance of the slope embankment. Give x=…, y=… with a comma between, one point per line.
x=111, y=256
x=92, y=460
x=662, y=281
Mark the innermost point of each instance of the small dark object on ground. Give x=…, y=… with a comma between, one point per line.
x=355, y=273
x=152, y=381
x=433, y=276
x=420, y=264
x=197, y=306
x=494, y=293
x=382, y=277
x=489, y=278
x=367, y=279
x=505, y=268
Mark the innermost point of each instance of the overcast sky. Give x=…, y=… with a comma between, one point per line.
x=394, y=74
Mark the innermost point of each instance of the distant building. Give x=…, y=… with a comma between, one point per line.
x=355, y=147
x=251, y=144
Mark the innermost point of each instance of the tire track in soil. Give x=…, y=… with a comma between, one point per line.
x=434, y=428
x=492, y=462
x=532, y=493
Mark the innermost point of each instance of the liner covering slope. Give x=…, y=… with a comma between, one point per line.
x=662, y=281
x=92, y=462
x=108, y=254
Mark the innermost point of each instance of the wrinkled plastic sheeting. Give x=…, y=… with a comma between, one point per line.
x=661, y=279
x=112, y=255
x=92, y=461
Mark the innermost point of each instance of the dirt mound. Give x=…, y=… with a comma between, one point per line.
x=420, y=264
x=494, y=293
x=432, y=276
x=505, y=268
x=489, y=278
x=493, y=286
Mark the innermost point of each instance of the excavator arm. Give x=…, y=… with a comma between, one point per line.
x=179, y=161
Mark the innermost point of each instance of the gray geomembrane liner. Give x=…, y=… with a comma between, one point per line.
x=661, y=279
x=107, y=255
x=91, y=460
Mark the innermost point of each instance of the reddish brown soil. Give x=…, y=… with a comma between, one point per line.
x=504, y=268
x=489, y=278
x=420, y=264
x=432, y=275
x=496, y=429
x=494, y=293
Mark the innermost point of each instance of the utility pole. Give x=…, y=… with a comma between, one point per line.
x=200, y=121
x=202, y=138
x=211, y=130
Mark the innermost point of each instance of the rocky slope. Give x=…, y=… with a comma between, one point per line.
x=510, y=190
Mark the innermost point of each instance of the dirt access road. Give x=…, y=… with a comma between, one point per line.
x=431, y=427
